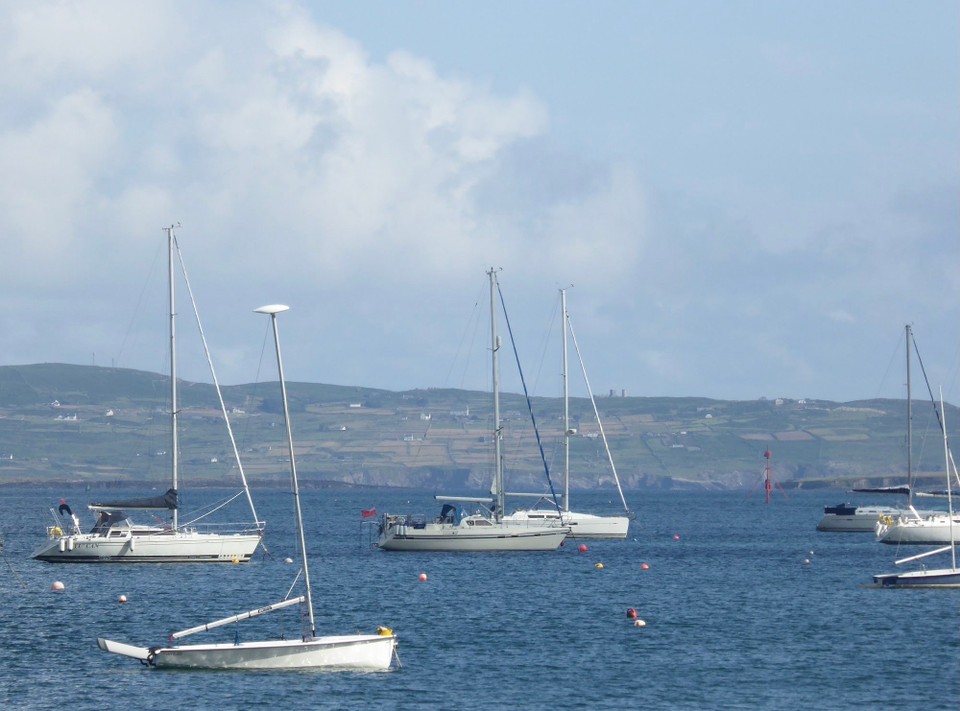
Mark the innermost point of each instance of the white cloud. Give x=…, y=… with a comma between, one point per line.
x=50, y=43
x=370, y=185
x=48, y=173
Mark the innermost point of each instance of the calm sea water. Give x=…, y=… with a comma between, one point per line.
x=735, y=618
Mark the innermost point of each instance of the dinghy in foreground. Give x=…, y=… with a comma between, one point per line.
x=355, y=651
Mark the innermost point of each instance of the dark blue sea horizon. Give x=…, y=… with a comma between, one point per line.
x=746, y=606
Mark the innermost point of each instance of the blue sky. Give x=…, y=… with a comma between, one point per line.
x=751, y=198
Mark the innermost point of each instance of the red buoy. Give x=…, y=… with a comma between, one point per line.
x=631, y=613
x=582, y=548
x=644, y=566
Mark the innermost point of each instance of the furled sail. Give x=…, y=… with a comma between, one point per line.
x=884, y=489
x=166, y=501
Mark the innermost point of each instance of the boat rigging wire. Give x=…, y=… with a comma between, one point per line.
x=526, y=394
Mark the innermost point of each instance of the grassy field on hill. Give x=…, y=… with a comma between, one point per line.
x=95, y=425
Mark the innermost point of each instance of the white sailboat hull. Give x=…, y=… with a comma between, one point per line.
x=360, y=652
x=861, y=519
x=929, y=530
x=466, y=538
x=581, y=525
x=943, y=578
x=184, y=546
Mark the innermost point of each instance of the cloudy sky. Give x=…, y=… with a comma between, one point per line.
x=750, y=198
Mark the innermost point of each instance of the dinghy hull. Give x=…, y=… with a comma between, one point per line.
x=361, y=652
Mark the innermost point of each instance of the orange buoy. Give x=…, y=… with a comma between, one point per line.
x=631, y=613
x=644, y=566
x=582, y=548
x=423, y=577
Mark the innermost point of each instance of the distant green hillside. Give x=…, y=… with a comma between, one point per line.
x=99, y=425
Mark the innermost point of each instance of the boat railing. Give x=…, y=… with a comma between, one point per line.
x=221, y=529
x=62, y=525
x=412, y=520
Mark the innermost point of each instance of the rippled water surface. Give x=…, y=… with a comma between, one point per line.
x=735, y=617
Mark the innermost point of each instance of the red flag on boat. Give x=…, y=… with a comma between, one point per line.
x=368, y=513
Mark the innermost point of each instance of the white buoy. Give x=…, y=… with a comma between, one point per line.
x=57, y=585
x=122, y=599
x=288, y=560
x=639, y=623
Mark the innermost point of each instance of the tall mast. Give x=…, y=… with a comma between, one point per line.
x=273, y=310
x=947, y=459
x=909, y=336
x=174, y=407
x=497, y=430
x=566, y=405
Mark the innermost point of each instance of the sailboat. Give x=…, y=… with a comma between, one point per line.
x=582, y=525
x=115, y=538
x=911, y=526
x=486, y=529
x=937, y=578
x=351, y=651
x=850, y=518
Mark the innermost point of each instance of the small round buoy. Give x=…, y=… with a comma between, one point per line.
x=631, y=613
x=599, y=566
x=582, y=548
x=235, y=561
x=676, y=537
x=288, y=560
x=423, y=577
x=57, y=585
x=122, y=599
x=811, y=553
x=644, y=566
x=806, y=561
x=639, y=623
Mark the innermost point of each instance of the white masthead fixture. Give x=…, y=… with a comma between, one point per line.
x=272, y=309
